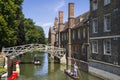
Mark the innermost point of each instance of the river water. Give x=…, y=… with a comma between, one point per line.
x=46, y=71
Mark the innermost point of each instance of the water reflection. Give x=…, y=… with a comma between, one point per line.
x=47, y=71
x=42, y=69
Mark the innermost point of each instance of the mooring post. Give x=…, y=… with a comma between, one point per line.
x=9, y=65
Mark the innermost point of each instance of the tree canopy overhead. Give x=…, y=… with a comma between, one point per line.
x=15, y=29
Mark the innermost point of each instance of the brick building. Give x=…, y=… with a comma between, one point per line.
x=72, y=35
x=51, y=38
x=105, y=30
x=104, y=38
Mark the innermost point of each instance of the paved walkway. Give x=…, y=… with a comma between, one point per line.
x=103, y=74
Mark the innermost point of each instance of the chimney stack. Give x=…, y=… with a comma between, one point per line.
x=56, y=22
x=60, y=26
x=71, y=10
x=60, y=17
x=70, y=25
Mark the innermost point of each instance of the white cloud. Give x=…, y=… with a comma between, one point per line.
x=59, y=5
x=47, y=24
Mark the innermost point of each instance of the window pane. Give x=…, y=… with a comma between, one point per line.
x=106, y=2
x=95, y=26
x=84, y=35
x=107, y=23
x=107, y=46
x=95, y=47
x=79, y=34
x=95, y=5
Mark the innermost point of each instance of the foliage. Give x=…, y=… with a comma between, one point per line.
x=46, y=40
x=14, y=28
x=2, y=70
x=10, y=14
x=34, y=34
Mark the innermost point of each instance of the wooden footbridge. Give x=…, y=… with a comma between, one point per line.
x=52, y=50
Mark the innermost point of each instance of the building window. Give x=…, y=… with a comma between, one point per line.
x=64, y=36
x=106, y=2
x=95, y=26
x=67, y=36
x=84, y=35
x=107, y=23
x=79, y=34
x=95, y=46
x=81, y=19
x=73, y=35
x=95, y=5
x=56, y=37
x=107, y=47
x=83, y=50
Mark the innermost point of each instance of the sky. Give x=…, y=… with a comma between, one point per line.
x=43, y=12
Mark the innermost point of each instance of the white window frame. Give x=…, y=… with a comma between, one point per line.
x=106, y=27
x=95, y=46
x=95, y=5
x=106, y=2
x=79, y=34
x=95, y=25
x=105, y=47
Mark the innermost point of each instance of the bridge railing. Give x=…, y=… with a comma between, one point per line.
x=17, y=50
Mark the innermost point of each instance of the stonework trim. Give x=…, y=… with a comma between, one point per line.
x=105, y=63
x=105, y=37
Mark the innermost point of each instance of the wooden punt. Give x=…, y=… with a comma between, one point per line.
x=72, y=76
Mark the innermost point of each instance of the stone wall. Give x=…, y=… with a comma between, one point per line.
x=81, y=64
x=113, y=10
x=105, y=70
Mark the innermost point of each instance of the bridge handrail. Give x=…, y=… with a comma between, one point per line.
x=16, y=50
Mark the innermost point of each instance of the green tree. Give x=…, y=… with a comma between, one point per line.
x=10, y=17
x=33, y=33
x=14, y=28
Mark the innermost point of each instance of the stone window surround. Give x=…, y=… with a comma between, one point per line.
x=105, y=47
x=93, y=25
x=105, y=27
x=93, y=50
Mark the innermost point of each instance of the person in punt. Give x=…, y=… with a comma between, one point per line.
x=75, y=69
